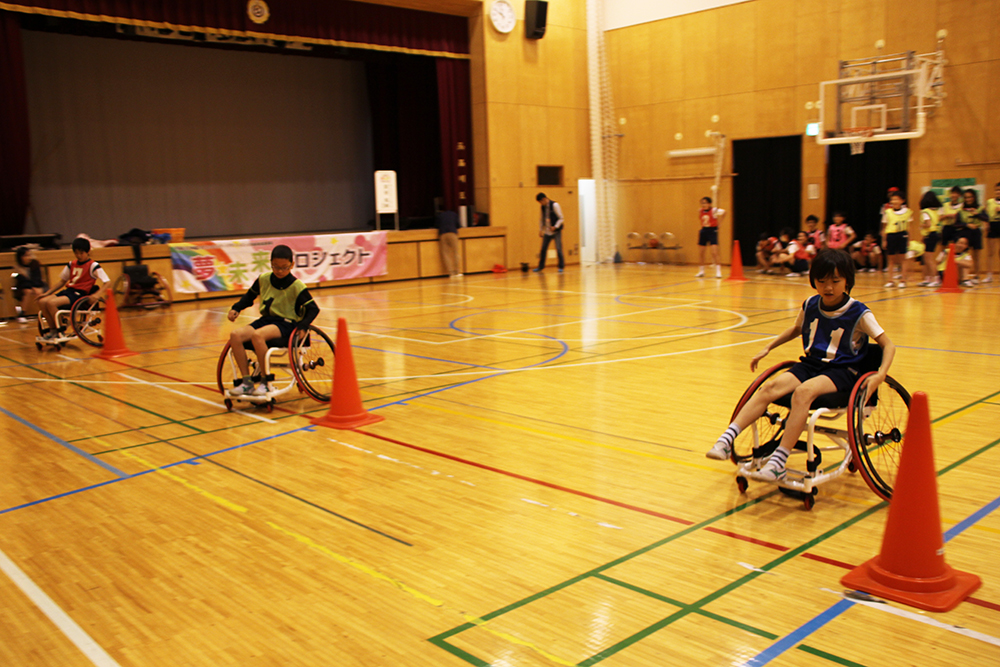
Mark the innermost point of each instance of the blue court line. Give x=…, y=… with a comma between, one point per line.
x=418, y=356
x=76, y=450
x=792, y=639
x=124, y=477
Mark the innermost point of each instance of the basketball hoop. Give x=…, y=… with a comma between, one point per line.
x=858, y=136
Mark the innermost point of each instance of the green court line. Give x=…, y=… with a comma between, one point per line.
x=696, y=606
x=728, y=621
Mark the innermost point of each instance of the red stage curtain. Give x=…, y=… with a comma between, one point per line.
x=454, y=105
x=339, y=22
x=15, y=150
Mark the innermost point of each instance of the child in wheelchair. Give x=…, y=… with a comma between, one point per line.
x=834, y=328
x=285, y=304
x=79, y=278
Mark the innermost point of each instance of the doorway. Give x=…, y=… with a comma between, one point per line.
x=856, y=184
x=767, y=190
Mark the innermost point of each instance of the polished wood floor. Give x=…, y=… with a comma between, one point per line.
x=537, y=495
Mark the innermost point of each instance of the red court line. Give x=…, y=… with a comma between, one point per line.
x=847, y=566
x=525, y=478
x=747, y=538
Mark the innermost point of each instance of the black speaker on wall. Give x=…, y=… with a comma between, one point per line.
x=535, y=12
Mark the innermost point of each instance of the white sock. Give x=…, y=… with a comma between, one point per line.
x=777, y=460
x=729, y=435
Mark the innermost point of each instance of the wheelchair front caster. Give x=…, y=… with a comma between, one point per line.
x=229, y=405
x=809, y=501
x=742, y=484
x=269, y=406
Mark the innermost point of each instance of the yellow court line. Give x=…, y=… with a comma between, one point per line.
x=177, y=478
x=571, y=438
x=370, y=571
x=960, y=413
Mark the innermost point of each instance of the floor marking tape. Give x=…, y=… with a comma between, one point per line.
x=59, y=618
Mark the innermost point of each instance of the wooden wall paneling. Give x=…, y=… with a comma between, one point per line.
x=536, y=142
x=637, y=72
x=503, y=54
x=862, y=23
x=967, y=109
x=664, y=123
x=534, y=69
x=634, y=160
x=738, y=114
x=776, y=41
x=816, y=50
x=482, y=254
x=991, y=137
x=696, y=119
x=700, y=61
x=402, y=262
x=737, y=47
x=666, y=69
x=580, y=95
x=776, y=112
x=505, y=145
x=581, y=145
x=430, y=259
x=516, y=209
x=911, y=25
x=962, y=19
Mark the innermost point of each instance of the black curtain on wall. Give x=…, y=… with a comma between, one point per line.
x=402, y=92
x=767, y=190
x=454, y=102
x=15, y=150
x=857, y=184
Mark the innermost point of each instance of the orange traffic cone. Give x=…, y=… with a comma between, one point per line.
x=114, y=342
x=736, y=267
x=949, y=285
x=346, y=410
x=911, y=568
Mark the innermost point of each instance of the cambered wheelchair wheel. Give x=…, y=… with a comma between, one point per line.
x=226, y=371
x=876, y=427
x=311, y=354
x=88, y=321
x=769, y=427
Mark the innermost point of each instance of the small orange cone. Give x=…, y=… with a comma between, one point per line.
x=911, y=568
x=736, y=267
x=949, y=285
x=114, y=341
x=346, y=410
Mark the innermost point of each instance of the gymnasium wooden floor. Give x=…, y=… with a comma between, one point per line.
x=537, y=495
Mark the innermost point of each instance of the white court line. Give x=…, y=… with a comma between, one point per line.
x=68, y=358
x=884, y=606
x=14, y=340
x=59, y=618
x=195, y=398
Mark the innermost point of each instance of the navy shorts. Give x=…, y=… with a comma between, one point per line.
x=283, y=325
x=948, y=235
x=708, y=236
x=975, y=237
x=896, y=243
x=931, y=241
x=994, y=232
x=843, y=377
x=73, y=295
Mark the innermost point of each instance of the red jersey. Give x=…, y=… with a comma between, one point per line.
x=708, y=218
x=82, y=276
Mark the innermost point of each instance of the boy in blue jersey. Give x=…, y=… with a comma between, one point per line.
x=834, y=330
x=285, y=304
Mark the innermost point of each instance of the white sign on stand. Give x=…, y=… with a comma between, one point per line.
x=385, y=197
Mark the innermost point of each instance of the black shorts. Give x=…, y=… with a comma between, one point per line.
x=73, y=295
x=283, y=325
x=994, y=232
x=896, y=243
x=708, y=236
x=843, y=377
x=948, y=235
x=800, y=266
x=931, y=241
x=975, y=237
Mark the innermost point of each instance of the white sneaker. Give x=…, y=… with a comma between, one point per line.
x=988, y=278
x=924, y=283
x=244, y=389
x=768, y=473
x=901, y=284
x=701, y=273
x=934, y=283
x=720, y=451
x=792, y=275
x=889, y=284
x=718, y=272
x=263, y=389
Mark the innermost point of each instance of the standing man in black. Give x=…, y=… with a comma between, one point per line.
x=550, y=228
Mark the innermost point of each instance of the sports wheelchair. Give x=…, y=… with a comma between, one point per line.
x=137, y=287
x=869, y=433
x=84, y=318
x=306, y=364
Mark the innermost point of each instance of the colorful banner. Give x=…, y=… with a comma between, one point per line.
x=221, y=266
